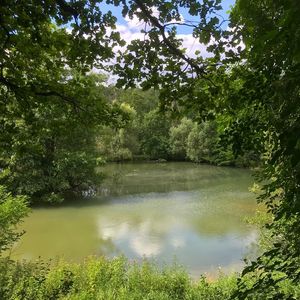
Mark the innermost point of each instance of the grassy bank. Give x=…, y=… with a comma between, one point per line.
x=106, y=279
x=113, y=279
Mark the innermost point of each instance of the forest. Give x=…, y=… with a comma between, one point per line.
x=77, y=95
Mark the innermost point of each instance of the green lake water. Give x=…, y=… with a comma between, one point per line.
x=184, y=212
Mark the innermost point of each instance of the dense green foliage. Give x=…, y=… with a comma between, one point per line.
x=49, y=150
x=50, y=103
x=271, y=32
x=251, y=84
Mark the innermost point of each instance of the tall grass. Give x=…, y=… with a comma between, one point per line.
x=101, y=278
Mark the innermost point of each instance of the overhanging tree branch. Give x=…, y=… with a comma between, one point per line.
x=42, y=91
x=155, y=22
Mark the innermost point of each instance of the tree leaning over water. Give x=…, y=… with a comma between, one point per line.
x=50, y=104
x=252, y=80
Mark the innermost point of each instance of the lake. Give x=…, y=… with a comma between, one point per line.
x=189, y=213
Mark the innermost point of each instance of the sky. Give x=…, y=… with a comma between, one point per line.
x=130, y=29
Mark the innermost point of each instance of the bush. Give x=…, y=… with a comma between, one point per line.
x=179, y=137
x=12, y=210
x=202, y=142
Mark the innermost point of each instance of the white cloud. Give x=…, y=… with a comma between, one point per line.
x=135, y=24
x=129, y=34
x=132, y=31
x=191, y=45
x=112, y=232
x=143, y=243
x=178, y=242
x=142, y=246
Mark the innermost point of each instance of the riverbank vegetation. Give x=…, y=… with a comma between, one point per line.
x=115, y=279
x=99, y=278
x=151, y=134
x=58, y=121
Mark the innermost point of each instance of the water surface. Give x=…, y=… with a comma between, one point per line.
x=184, y=212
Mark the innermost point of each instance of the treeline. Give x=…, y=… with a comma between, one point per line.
x=151, y=134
